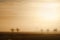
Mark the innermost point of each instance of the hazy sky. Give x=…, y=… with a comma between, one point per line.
x=29, y=15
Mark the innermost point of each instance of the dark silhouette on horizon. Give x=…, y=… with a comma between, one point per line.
x=12, y=30
x=17, y=29
x=55, y=30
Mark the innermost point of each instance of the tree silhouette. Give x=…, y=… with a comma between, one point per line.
x=55, y=30
x=17, y=29
x=47, y=30
x=41, y=30
x=12, y=30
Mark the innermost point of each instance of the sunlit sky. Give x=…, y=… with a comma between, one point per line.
x=29, y=15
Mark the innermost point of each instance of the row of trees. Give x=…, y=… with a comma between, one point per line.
x=17, y=29
x=55, y=30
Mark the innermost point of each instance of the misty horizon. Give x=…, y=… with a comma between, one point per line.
x=29, y=15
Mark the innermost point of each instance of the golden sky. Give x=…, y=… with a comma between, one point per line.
x=29, y=15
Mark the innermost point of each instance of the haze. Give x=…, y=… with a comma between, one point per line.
x=29, y=15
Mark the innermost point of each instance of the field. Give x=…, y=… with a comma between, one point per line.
x=28, y=36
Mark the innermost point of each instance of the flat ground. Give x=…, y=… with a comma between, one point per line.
x=28, y=36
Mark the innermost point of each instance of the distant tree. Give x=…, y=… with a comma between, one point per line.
x=12, y=30
x=47, y=30
x=17, y=29
x=55, y=30
x=41, y=30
